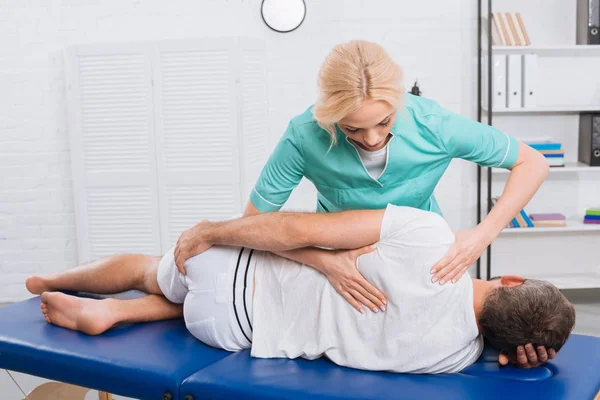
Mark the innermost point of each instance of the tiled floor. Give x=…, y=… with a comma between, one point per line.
x=587, y=305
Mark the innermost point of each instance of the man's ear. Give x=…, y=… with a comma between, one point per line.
x=511, y=280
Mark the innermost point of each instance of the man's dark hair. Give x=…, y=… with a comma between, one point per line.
x=535, y=312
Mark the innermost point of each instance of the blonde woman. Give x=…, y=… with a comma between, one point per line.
x=366, y=144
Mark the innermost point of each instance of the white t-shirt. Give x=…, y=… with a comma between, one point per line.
x=427, y=328
x=374, y=161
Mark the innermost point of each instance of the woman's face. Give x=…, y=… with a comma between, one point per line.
x=369, y=126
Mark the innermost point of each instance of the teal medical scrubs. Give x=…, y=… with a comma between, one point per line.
x=426, y=137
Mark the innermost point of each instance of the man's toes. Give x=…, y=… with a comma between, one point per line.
x=45, y=298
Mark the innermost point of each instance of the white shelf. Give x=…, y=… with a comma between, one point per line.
x=573, y=225
x=569, y=167
x=566, y=109
x=557, y=51
x=572, y=281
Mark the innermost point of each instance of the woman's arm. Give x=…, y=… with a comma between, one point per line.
x=526, y=177
x=250, y=210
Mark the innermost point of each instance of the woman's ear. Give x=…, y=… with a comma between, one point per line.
x=511, y=280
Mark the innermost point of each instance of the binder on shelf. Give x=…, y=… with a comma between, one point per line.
x=529, y=80
x=498, y=83
x=514, y=81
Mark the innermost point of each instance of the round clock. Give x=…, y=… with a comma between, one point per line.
x=283, y=15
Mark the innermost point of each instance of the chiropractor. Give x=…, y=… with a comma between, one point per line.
x=366, y=143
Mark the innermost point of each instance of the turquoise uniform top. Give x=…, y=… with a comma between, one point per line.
x=426, y=137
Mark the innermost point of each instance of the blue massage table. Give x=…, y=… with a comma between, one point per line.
x=162, y=361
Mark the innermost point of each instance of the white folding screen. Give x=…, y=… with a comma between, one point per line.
x=253, y=110
x=113, y=150
x=158, y=138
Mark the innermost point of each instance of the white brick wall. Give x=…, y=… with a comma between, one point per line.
x=434, y=40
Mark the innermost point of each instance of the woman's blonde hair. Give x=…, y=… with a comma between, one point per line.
x=352, y=73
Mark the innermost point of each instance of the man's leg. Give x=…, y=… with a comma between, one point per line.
x=94, y=316
x=109, y=275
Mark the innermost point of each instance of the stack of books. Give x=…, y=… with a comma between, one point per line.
x=521, y=220
x=553, y=152
x=548, y=220
x=592, y=216
x=508, y=29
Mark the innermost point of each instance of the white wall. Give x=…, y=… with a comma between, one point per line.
x=432, y=40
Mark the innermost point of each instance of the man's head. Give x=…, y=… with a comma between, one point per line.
x=519, y=311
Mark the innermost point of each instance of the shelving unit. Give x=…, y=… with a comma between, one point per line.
x=572, y=225
x=569, y=167
x=568, y=84
x=549, y=51
x=566, y=109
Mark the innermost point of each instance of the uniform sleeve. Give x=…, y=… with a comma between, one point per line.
x=281, y=174
x=473, y=141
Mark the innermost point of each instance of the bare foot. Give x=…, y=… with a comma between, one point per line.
x=38, y=284
x=89, y=316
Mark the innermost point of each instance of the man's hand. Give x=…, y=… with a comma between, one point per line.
x=527, y=357
x=191, y=243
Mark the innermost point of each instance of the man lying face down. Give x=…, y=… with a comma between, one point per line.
x=235, y=298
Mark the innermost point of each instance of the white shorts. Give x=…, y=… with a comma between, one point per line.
x=216, y=294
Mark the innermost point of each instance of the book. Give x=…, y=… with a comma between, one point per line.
x=527, y=219
x=521, y=221
x=513, y=29
x=547, y=224
x=547, y=217
x=514, y=223
x=592, y=217
x=552, y=151
x=592, y=211
x=508, y=37
x=556, y=162
x=544, y=145
x=497, y=38
x=591, y=221
x=523, y=30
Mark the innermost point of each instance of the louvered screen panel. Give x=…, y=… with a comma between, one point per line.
x=196, y=119
x=189, y=202
x=113, y=150
x=254, y=130
x=114, y=113
x=120, y=221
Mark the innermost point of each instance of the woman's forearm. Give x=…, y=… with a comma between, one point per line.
x=525, y=179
